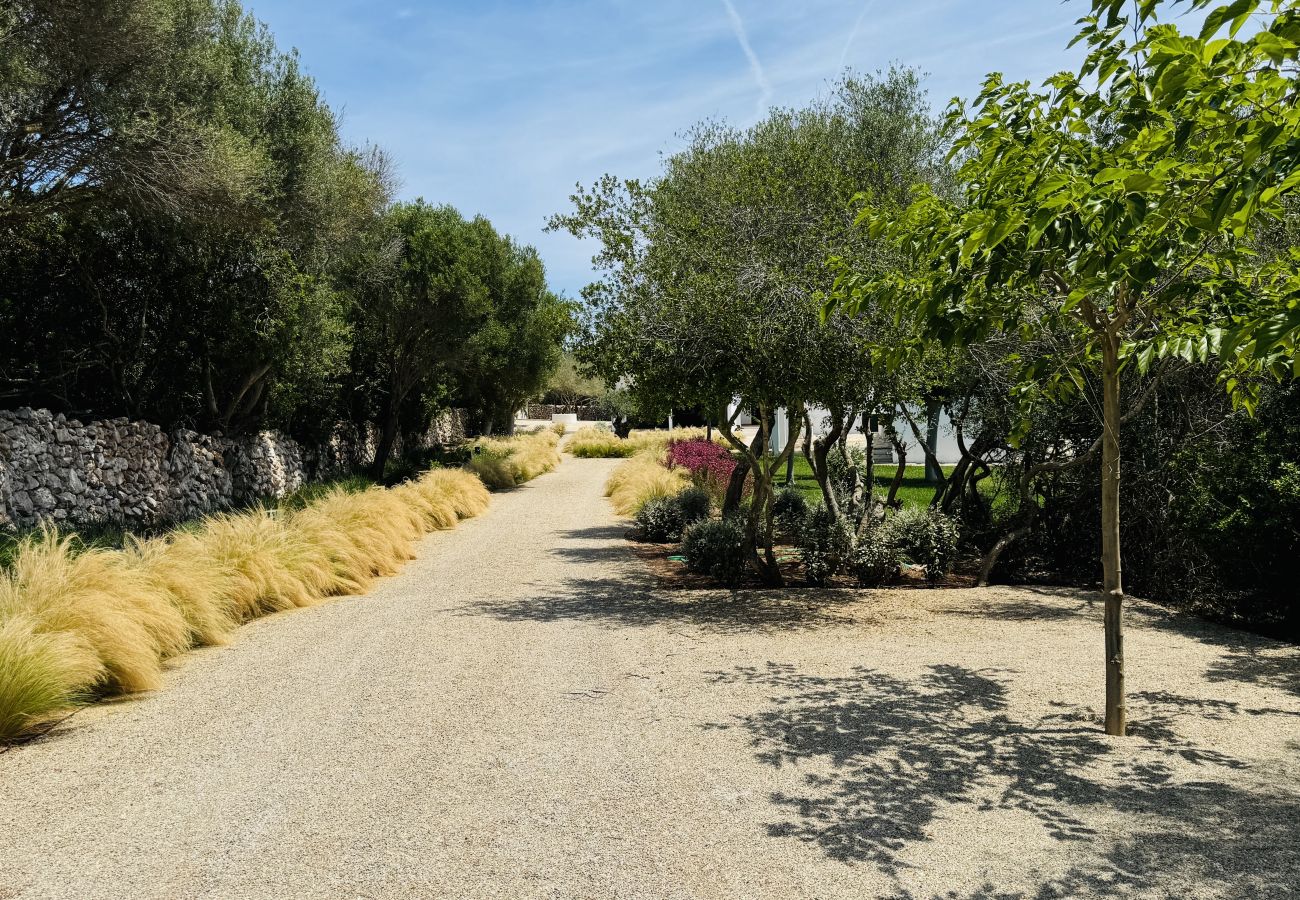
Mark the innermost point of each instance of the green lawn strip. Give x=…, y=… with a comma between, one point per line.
x=914, y=492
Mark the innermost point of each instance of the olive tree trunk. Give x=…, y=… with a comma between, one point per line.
x=1112, y=576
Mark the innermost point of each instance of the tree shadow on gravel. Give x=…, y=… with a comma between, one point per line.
x=882, y=758
x=619, y=602
x=599, y=544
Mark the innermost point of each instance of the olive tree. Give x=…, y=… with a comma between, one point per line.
x=98, y=100
x=713, y=273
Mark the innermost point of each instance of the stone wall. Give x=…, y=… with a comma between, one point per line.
x=56, y=469
x=448, y=429
x=543, y=411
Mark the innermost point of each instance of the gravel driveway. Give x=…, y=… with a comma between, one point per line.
x=521, y=714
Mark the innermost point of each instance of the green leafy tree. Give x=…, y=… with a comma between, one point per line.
x=97, y=101
x=569, y=387
x=518, y=346
x=231, y=320
x=1118, y=204
x=414, y=325
x=712, y=273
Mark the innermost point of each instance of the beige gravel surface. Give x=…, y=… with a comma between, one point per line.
x=521, y=714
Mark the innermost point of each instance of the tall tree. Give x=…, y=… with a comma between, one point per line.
x=95, y=101
x=232, y=319
x=1116, y=203
x=712, y=273
x=414, y=326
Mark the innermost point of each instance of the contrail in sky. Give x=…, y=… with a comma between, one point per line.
x=742, y=37
x=853, y=35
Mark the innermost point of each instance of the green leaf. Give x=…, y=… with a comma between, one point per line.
x=1141, y=183
x=1236, y=12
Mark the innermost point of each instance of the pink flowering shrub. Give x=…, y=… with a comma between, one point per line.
x=710, y=464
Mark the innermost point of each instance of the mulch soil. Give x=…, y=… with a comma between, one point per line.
x=674, y=575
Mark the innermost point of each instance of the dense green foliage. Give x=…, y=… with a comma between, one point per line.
x=927, y=538
x=825, y=543
x=712, y=273
x=876, y=560
x=185, y=238
x=664, y=519
x=1211, y=506
x=717, y=548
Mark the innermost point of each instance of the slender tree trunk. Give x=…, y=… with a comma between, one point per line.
x=933, y=471
x=869, y=477
x=1112, y=576
x=1028, y=514
x=817, y=450
x=736, y=487
x=891, y=500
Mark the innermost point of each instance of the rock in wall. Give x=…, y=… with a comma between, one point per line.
x=266, y=464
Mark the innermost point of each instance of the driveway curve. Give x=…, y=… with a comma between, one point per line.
x=523, y=713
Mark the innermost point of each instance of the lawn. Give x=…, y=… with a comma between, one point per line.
x=914, y=492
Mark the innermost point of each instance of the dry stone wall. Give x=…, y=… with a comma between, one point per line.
x=544, y=411
x=121, y=472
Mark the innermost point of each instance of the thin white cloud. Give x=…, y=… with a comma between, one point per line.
x=742, y=38
x=853, y=35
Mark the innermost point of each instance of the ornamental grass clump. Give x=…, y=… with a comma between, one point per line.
x=597, y=443
x=76, y=622
x=503, y=463
x=658, y=440
x=639, y=480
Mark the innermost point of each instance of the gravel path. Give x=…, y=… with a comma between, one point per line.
x=520, y=714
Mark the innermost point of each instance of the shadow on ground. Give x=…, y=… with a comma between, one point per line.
x=626, y=594
x=882, y=757
x=618, y=602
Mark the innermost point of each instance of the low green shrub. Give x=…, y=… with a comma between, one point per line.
x=825, y=542
x=789, y=509
x=716, y=547
x=926, y=538
x=663, y=519
x=694, y=504
x=660, y=520
x=838, y=468
x=877, y=560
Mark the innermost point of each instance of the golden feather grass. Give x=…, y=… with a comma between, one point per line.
x=597, y=443
x=657, y=440
x=508, y=462
x=76, y=622
x=640, y=479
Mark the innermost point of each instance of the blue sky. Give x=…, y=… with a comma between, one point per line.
x=500, y=107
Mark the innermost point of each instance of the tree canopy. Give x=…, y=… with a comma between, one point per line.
x=185, y=237
x=713, y=272
x=1117, y=204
